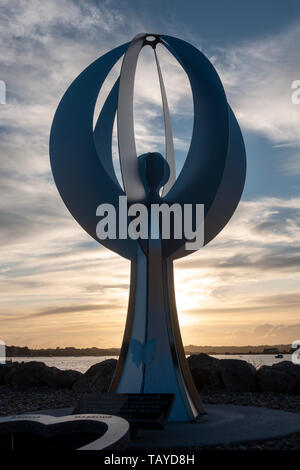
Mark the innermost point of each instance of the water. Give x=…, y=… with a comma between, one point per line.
x=83, y=363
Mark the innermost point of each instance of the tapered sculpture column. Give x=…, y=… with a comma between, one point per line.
x=152, y=358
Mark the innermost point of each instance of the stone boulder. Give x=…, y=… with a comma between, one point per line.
x=60, y=378
x=292, y=369
x=238, y=375
x=97, y=378
x=283, y=377
x=33, y=373
x=3, y=372
x=205, y=372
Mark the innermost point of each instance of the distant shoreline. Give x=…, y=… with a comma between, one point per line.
x=19, y=351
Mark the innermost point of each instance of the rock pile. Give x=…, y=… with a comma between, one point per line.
x=209, y=374
x=33, y=373
x=235, y=375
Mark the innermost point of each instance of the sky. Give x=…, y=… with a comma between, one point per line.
x=58, y=286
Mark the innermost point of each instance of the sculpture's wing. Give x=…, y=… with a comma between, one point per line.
x=133, y=186
x=169, y=145
x=230, y=189
x=232, y=183
x=82, y=176
x=103, y=133
x=214, y=171
x=201, y=174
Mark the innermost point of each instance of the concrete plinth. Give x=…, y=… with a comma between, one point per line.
x=223, y=424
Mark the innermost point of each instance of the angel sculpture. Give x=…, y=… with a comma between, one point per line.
x=152, y=358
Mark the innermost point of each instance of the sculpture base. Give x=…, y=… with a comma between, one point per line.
x=223, y=424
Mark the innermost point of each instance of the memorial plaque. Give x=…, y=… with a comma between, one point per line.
x=142, y=411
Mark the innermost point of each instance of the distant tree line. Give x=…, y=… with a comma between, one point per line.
x=18, y=351
x=24, y=351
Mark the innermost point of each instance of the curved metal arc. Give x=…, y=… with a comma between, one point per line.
x=232, y=184
x=230, y=189
x=103, y=132
x=200, y=176
x=133, y=185
x=170, y=157
x=75, y=163
x=76, y=167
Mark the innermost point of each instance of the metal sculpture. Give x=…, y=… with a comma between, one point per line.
x=152, y=357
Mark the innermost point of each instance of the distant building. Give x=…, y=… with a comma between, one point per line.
x=271, y=351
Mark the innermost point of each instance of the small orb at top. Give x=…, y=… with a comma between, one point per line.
x=150, y=38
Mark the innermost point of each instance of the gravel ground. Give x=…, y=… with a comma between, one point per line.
x=16, y=401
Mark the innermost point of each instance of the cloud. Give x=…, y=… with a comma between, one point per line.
x=58, y=286
x=277, y=334
x=245, y=277
x=258, y=76
x=71, y=309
